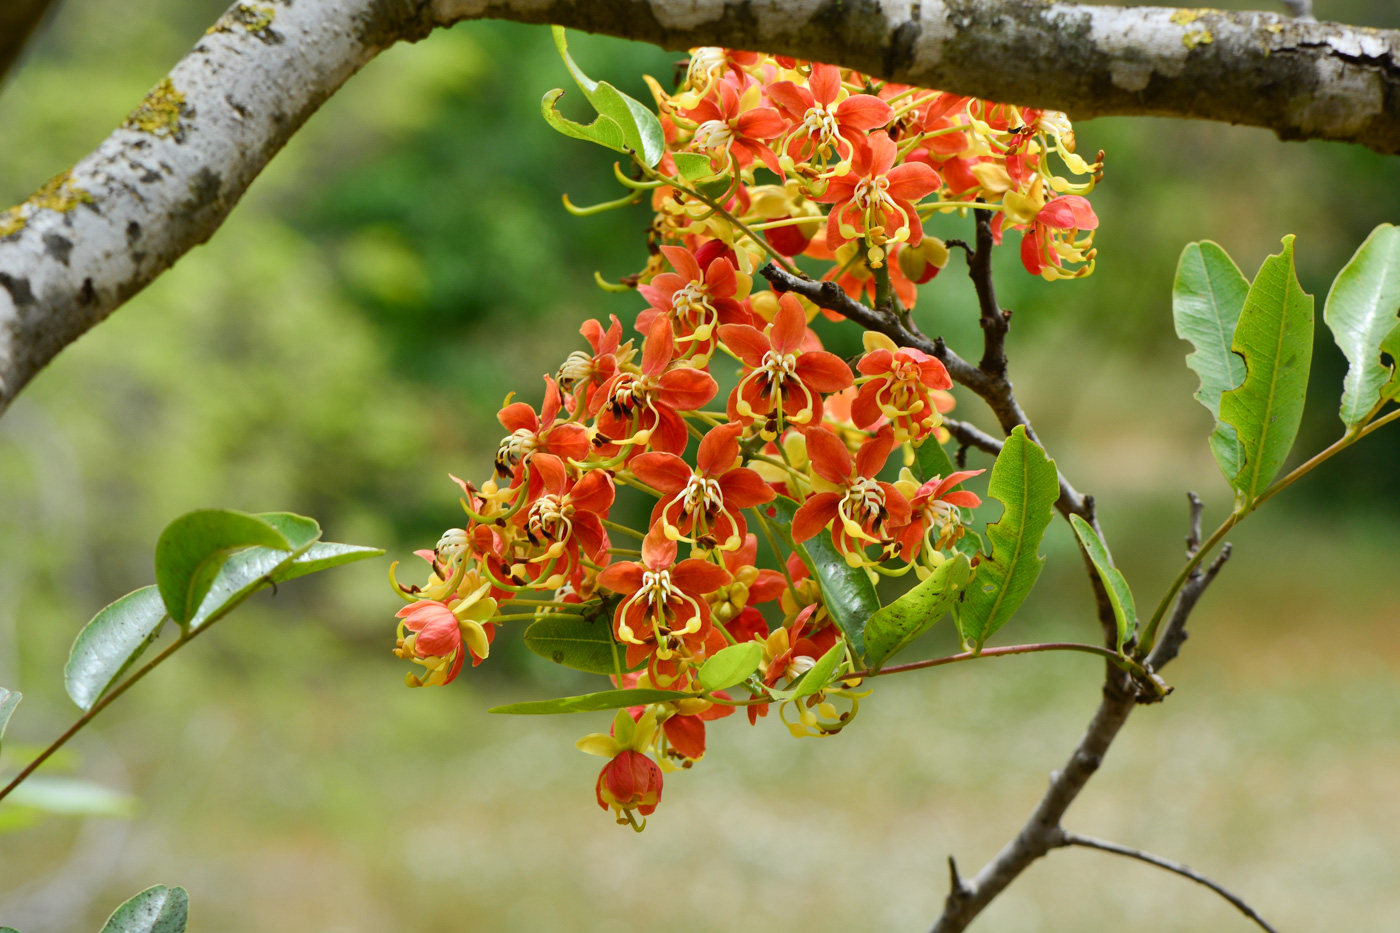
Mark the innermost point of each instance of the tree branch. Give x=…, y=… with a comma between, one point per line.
x=163, y=183
x=1042, y=832
x=1088, y=842
x=18, y=21
x=1303, y=80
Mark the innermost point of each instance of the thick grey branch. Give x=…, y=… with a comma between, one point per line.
x=1301, y=79
x=18, y=21
x=1088, y=842
x=165, y=180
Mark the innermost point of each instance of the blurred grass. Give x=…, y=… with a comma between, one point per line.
x=345, y=340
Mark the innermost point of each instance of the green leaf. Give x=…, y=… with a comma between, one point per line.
x=1124, y=609
x=591, y=702
x=730, y=666
x=1361, y=310
x=847, y=591
x=1026, y=482
x=64, y=796
x=154, y=910
x=9, y=699
x=1207, y=298
x=819, y=675
x=323, y=555
x=1274, y=336
x=299, y=530
x=930, y=459
x=641, y=130
x=890, y=630
x=8, y=930
x=109, y=644
x=693, y=166
x=584, y=644
x=194, y=546
x=604, y=131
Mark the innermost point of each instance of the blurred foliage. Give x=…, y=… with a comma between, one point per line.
x=345, y=340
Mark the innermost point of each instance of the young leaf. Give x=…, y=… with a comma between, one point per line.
x=847, y=591
x=1362, y=310
x=1124, y=609
x=604, y=131
x=730, y=666
x=1027, y=483
x=591, y=702
x=111, y=643
x=1207, y=298
x=1274, y=336
x=584, y=644
x=932, y=460
x=641, y=130
x=9, y=699
x=154, y=910
x=64, y=796
x=194, y=546
x=323, y=555
x=693, y=166
x=819, y=675
x=890, y=630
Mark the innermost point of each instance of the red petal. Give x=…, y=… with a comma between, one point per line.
x=593, y=493
x=743, y=488
x=518, y=416
x=661, y=471
x=720, y=280
x=659, y=347
x=865, y=410
x=685, y=389
x=911, y=181
x=718, y=450
x=683, y=261
x=814, y=515
x=789, y=325
x=825, y=82
x=746, y=342
x=658, y=551
x=875, y=362
x=830, y=458
x=864, y=112
x=788, y=96
x=698, y=577
x=760, y=123
x=624, y=577
x=871, y=457
x=824, y=372
x=686, y=735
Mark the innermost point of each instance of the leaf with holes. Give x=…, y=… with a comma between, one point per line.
x=1026, y=482
x=638, y=128
x=890, y=630
x=1275, y=337
x=1363, y=310
x=1207, y=298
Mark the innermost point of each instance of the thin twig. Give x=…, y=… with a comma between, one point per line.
x=1088, y=842
x=995, y=321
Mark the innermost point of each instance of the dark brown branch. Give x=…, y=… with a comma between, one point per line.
x=19, y=19
x=1088, y=842
x=1042, y=832
x=995, y=321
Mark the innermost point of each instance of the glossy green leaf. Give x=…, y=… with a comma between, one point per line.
x=849, y=595
x=65, y=796
x=109, y=644
x=1275, y=337
x=1025, y=481
x=819, y=675
x=693, y=166
x=1363, y=309
x=249, y=570
x=323, y=555
x=730, y=666
x=591, y=702
x=604, y=130
x=890, y=630
x=641, y=130
x=1207, y=298
x=584, y=644
x=154, y=910
x=299, y=530
x=194, y=546
x=1124, y=609
x=9, y=699
x=930, y=460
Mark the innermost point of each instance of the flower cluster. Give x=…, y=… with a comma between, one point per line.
x=799, y=447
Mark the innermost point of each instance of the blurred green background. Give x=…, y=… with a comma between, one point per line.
x=345, y=340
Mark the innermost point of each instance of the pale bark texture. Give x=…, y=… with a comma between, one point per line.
x=164, y=181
